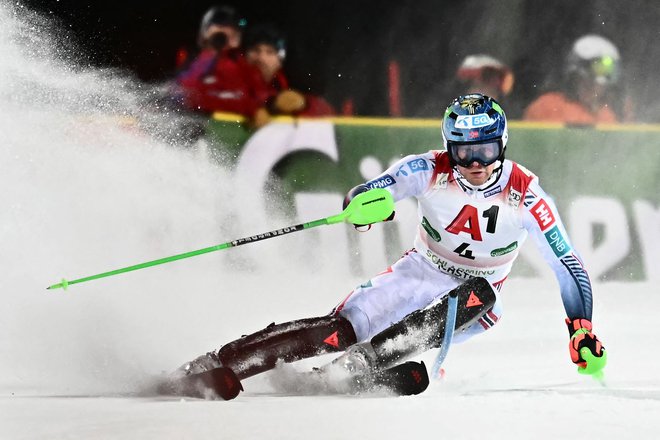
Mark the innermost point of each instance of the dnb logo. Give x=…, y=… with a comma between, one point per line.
x=473, y=121
x=557, y=241
x=382, y=182
x=543, y=215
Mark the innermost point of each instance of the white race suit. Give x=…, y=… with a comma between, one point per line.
x=463, y=233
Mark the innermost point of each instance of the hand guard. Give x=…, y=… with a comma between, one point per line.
x=585, y=348
x=351, y=195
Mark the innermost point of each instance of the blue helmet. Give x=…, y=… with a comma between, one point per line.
x=474, y=129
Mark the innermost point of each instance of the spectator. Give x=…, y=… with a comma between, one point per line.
x=486, y=75
x=589, y=94
x=218, y=78
x=265, y=50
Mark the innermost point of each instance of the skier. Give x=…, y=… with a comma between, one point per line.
x=475, y=211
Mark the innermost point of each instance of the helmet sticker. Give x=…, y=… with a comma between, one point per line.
x=474, y=121
x=470, y=102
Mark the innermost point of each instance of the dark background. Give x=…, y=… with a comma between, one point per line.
x=341, y=49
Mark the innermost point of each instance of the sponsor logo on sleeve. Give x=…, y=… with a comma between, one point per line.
x=381, y=182
x=557, y=241
x=543, y=215
x=530, y=198
x=418, y=165
x=492, y=192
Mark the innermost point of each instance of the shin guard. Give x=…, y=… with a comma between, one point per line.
x=287, y=342
x=424, y=329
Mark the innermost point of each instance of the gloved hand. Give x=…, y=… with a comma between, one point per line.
x=585, y=348
x=261, y=117
x=289, y=102
x=351, y=195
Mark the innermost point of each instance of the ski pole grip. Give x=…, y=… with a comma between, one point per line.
x=373, y=206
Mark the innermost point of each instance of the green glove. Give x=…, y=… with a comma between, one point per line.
x=585, y=348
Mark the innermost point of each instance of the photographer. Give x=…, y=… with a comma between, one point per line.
x=217, y=79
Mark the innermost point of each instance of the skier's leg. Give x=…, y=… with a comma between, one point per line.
x=488, y=320
x=410, y=284
x=421, y=330
x=288, y=342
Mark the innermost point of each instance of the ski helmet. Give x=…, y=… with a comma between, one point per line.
x=474, y=129
x=484, y=69
x=595, y=58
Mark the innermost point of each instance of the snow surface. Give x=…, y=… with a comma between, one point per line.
x=513, y=382
x=83, y=191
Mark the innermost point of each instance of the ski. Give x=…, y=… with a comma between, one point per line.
x=218, y=383
x=406, y=379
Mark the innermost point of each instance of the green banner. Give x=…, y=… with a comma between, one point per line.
x=604, y=179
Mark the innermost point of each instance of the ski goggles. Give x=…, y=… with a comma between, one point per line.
x=465, y=154
x=605, y=70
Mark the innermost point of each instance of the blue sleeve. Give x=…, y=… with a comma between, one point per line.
x=408, y=177
x=542, y=221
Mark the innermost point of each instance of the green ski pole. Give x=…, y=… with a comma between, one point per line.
x=372, y=206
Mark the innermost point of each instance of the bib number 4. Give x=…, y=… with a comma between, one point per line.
x=464, y=252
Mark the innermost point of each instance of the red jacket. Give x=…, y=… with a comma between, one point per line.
x=263, y=91
x=556, y=107
x=266, y=91
x=218, y=82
